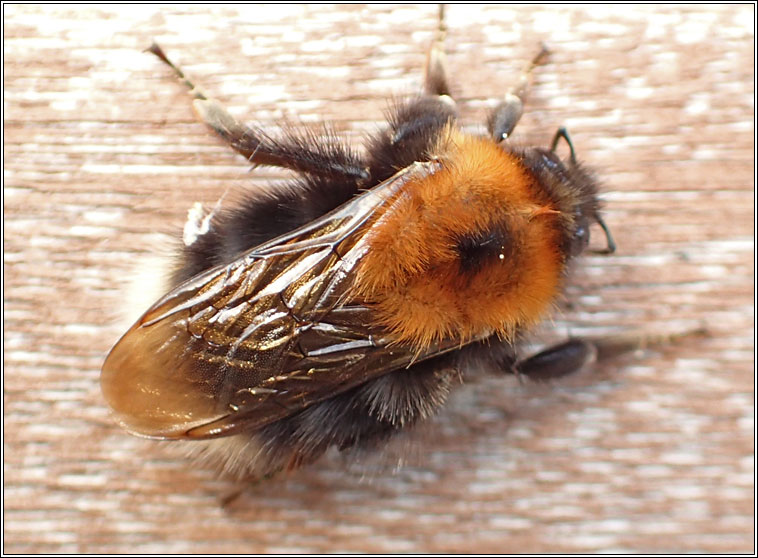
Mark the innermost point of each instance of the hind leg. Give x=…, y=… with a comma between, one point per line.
x=295, y=152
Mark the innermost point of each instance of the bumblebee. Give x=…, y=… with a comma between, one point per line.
x=342, y=307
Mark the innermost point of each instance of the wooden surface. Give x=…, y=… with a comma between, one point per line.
x=653, y=452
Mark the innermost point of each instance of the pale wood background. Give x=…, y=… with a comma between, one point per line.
x=651, y=453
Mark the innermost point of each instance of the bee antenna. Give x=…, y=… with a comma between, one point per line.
x=611, y=244
x=563, y=133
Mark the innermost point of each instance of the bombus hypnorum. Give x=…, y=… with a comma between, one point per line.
x=342, y=307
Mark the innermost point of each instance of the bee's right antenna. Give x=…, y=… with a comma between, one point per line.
x=611, y=248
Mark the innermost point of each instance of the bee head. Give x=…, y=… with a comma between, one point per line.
x=573, y=189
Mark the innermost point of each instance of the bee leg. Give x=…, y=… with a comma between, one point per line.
x=415, y=126
x=557, y=361
x=505, y=116
x=435, y=75
x=572, y=355
x=295, y=153
x=229, y=497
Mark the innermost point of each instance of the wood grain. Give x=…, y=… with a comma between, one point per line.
x=650, y=453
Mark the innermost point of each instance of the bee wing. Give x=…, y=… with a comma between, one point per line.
x=245, y=344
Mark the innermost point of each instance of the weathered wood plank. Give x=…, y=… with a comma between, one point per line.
x=652, y=453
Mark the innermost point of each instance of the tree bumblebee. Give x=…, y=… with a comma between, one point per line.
x=342, y=307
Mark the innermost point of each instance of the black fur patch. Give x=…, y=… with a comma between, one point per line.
x=374, y=411
x=262, y=217
x=475, y=250
x=414, y=130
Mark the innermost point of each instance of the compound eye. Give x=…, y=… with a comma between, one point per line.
x=581, y=238
x=551, y=160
